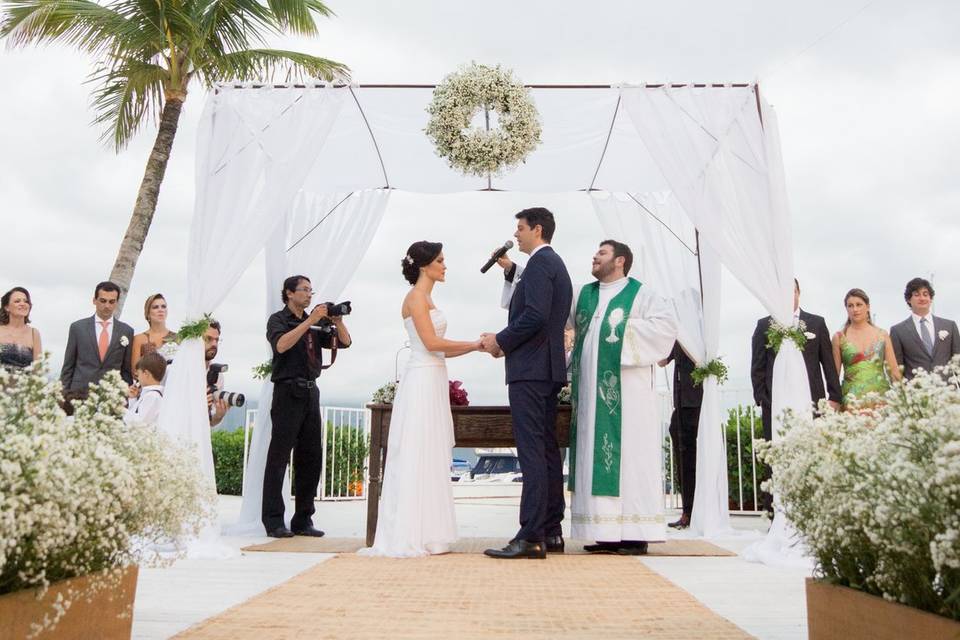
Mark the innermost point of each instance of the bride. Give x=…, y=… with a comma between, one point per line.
x=416, y=503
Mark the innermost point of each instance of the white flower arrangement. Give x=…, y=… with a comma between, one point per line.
x=168, y=350
x=875, y=492
x=385, y=394
x=459, y=97
x=943, y=333
x=124, y=341
x=86, y=495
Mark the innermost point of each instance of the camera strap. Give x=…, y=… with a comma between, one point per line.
x=334, y=342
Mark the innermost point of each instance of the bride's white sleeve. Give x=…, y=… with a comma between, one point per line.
x=508, y=286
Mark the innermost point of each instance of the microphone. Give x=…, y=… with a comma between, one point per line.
x=499, y=253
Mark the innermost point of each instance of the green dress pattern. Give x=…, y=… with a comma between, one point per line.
x=863, y=371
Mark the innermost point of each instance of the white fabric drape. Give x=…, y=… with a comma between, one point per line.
x=251, y=161
x=324, y=237
x=664, y=239
x=720, y=153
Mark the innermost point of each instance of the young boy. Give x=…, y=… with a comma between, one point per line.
x=144, y=407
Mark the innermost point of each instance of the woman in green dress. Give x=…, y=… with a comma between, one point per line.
x=864, y=352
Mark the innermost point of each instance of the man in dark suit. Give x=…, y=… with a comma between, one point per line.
x=97, y=344
x=533, y=343
x=923, y=341
x=818, y=357
x=684, y=427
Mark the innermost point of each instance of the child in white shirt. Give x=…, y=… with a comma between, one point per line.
x=145, y=401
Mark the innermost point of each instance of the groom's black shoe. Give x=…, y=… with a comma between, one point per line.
x=554, y=544
x=280, y=532
x=519, y=549
x=308, y=530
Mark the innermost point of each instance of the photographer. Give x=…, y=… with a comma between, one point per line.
x=218, y=408
x=297, y=339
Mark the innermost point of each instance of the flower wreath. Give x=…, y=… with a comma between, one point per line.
x=458, y=98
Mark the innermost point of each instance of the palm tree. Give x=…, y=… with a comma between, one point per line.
x=147, y=53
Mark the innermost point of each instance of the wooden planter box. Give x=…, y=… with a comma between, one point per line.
x=108, y=615
x=842, y=613
x=473, y=426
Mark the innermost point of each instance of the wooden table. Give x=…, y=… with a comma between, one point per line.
x=473, y=426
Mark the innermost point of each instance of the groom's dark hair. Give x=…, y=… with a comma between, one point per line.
x=539, y=216
x=621, y=250
x=916, y=284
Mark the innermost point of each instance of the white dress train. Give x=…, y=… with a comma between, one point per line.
x=416, y=503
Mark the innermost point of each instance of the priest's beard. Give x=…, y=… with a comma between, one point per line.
x=603, y=270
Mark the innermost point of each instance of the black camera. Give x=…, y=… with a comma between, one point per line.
x=213, y=377
x=335, y=310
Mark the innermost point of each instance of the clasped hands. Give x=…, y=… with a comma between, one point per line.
x=488, y=344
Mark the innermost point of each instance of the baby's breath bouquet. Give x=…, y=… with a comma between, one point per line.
x=86, y=495
x=875, y=491
x=385, y=394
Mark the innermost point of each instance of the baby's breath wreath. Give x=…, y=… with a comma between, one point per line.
x=459, y=97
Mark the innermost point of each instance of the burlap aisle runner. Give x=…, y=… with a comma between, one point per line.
x=302, y=544
x=471, y=596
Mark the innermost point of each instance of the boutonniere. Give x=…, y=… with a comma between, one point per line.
x=810, y=336
x=943, y=333
x=124, y=341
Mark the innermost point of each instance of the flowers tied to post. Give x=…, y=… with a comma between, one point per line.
x=458, y=395
x=715, y=368
x=778, y=332
x=473, y=89
x=263, y=371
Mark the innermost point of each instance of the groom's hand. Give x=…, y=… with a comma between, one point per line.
x=488, y=342
x=505, y=263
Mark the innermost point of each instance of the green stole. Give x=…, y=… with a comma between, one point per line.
x=607, y=421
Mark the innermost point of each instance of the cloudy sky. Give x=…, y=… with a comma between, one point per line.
x=866, y=93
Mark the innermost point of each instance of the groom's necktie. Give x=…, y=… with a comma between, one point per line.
x=927, y=336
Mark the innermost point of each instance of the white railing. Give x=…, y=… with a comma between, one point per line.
x=346, y=451
x=742, y=470
x=346, y=443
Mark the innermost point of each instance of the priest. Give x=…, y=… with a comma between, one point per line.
x=622, y=330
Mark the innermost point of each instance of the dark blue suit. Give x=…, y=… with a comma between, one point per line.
x=536, y=371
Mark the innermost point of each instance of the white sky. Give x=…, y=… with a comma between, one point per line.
x=868, y=119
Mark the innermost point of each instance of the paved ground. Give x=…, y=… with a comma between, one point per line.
x=764, y=601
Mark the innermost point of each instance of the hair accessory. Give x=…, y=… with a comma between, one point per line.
x=408, y=259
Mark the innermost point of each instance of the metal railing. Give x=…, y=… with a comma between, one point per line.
x=346, y=449
x=346, y=444
x=738, y=415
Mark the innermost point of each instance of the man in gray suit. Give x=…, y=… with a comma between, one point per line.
x=97, y=344
x=923, y=341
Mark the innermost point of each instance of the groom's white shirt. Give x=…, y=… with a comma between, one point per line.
x=507, y=292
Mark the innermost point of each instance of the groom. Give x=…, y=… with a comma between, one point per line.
x=536, y=371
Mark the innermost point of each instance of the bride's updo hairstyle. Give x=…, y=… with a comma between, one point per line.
x=420, y=254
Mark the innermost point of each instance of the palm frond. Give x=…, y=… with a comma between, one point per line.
x=265, y=64
x=86, y=25
x=233, y=25
x=129, y=92
x=297, y=16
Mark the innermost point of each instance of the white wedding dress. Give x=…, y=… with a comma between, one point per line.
x=416, y=502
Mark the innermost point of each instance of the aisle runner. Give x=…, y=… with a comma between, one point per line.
x=303, y=544
x=470, y=596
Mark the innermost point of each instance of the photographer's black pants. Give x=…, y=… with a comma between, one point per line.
x=296, y=426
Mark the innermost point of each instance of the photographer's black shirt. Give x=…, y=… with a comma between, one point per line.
x=302, y=361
